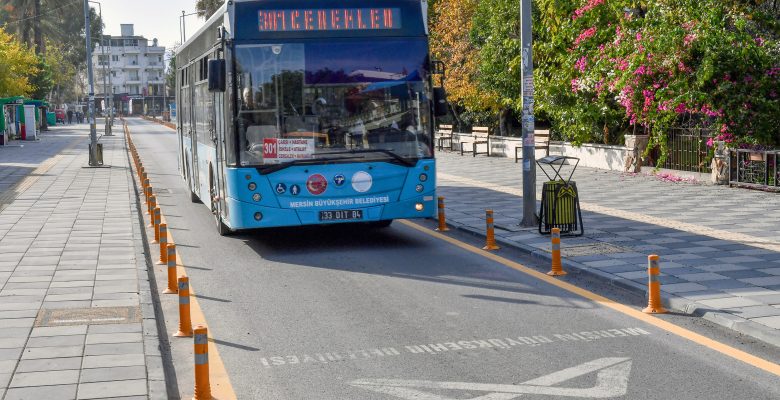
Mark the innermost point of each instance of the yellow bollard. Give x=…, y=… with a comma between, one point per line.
x=557, y=266
x=654, y=305
x=171, y=270
x=156, y=218
x=185, y=324
x=490, y=239
x=202, y=386
x=442, y=219
x=163, y=244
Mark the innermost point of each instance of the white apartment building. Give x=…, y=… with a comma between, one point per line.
x=135, y=68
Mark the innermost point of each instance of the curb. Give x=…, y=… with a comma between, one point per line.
x=670, y=301
x=161, y=376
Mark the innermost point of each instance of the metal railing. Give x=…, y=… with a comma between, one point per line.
x=756, y=169
x=687, y=151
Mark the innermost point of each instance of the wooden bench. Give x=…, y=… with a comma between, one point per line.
x=481, y=136
x=444, y=135
x=541, y=141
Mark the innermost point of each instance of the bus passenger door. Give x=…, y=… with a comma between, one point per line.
x=217, y=135
x=195, y=171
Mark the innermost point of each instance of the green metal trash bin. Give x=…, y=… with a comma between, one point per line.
x=51, y=118
x=560, y=206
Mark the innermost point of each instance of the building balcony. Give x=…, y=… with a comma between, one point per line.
x=155, y=49
x=130, y=65
x=132, y=50
x=154, y=66
x=133, y=81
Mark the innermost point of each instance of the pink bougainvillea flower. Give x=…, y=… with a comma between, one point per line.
x=638, y=36
x=760, y=41
x=681, y=108
x=586, y=34
x=581, y=64
x=575, y=85
x=591, y=4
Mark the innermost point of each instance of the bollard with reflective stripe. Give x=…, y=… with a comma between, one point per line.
x=442, y=218
x=654, y=305
x=557, y=266
x=171, y=269
x=163, y=244
x=156, y=219
x=202, y=385
x=185, y=324
x=490, y=239
x=152, y=205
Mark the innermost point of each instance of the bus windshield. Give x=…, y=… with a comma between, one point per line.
x=340, y=96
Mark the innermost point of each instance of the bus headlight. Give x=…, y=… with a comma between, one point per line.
x=258, y=216
x=418, y=206
x=252, y=186
x=256, y=197
x=419, y=188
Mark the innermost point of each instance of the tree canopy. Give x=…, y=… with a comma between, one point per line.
x=603, y=69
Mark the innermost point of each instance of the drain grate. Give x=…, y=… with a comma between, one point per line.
x=592, y=249
x=88, y=316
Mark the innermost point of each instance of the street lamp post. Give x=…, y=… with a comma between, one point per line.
x=107, y=129
x=529, y=145
x=93, y=161
x=183, y=27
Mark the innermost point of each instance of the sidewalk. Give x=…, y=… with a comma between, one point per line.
x=719, y=247
x=75, y=308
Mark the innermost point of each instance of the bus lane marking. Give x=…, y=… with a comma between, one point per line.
x=447, y=346
x=611, y=381
x=630, y=311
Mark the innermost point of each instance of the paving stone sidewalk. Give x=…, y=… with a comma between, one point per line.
x=719, y=246
x=76, y=318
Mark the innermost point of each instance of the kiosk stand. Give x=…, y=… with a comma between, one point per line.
x=560, y=200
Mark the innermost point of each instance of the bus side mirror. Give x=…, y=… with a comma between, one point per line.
x=216, y=75
x=439, y=102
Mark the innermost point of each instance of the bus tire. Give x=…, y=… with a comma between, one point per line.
x=222, y=229
x=380, y=224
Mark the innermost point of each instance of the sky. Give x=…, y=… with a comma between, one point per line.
x=152, y=18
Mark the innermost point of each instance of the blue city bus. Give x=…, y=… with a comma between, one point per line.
x=309, y=112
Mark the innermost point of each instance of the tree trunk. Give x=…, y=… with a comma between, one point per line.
x=502, y=122
x=37, y=34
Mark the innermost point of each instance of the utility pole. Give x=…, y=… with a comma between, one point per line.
x=529, y=146
x=93, y=162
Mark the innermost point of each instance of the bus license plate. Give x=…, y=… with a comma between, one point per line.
x=341, y=215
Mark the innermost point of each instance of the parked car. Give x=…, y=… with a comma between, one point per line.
x=60, y=114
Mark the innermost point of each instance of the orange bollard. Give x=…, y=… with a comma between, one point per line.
x=654, y=305
x=490, y=239
x=202, y=386
x=156, y=218
x=171, y=270
x=442, y=219
x=144, y=178
x=150, y=205
x=163, y=231
x=557, y=266
x=185, y=324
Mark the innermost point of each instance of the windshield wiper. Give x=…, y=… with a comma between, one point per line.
x=279, y=167
x=388, y=152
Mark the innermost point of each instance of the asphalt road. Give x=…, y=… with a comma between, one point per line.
x=345, y=313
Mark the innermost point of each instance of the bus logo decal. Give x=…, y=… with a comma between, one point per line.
x=362, y=181
x=339, y=180
x=281, y=188
x=316, y=184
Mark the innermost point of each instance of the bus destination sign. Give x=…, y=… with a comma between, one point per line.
x=329, y=19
